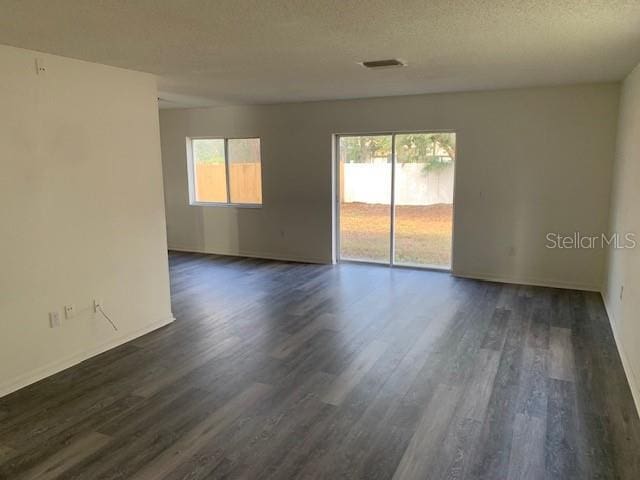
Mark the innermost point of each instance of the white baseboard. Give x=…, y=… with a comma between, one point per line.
x=267, y=256
x=626, y=364
x=536, y=282
x=39, y=373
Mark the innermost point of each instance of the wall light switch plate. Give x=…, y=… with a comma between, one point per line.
x=69, y=311
x=54, y=319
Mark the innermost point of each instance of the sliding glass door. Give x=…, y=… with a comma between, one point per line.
x=365, y=198
x=395, y=198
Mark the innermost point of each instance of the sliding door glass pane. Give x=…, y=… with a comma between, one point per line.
x=424, y=198
x=244, y=170
x=365, y=198
x=209, y=170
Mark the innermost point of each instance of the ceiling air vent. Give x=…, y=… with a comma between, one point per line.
x=393, y=62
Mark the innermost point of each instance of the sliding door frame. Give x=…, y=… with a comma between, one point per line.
x=337, y=202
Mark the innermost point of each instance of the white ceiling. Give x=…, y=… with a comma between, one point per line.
x=209, y=52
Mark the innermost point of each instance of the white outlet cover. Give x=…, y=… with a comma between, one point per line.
x=41, y=67
x=69, y=311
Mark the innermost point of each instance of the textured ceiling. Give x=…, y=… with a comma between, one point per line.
x=242, y=51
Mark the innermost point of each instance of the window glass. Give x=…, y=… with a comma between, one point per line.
x=209, y=170
x=245, y=175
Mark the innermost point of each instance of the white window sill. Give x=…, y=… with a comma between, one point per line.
x=225, y=204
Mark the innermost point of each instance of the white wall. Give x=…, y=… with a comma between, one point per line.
x=82, y=211
x=623, y=265
x=530, y=161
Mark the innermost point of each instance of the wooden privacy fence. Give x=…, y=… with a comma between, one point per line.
x=244, y=183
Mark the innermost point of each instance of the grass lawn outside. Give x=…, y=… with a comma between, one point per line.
x=423, y=233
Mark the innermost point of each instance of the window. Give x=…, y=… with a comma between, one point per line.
x=224, y=171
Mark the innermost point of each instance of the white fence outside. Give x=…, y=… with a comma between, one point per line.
x=371, y=183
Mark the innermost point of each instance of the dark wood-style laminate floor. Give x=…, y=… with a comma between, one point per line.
x=279, y=370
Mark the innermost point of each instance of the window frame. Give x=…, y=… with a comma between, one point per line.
x=191, y=173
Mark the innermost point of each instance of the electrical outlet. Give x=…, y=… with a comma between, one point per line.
x=69, y=311
x=621, y=291
x=54, y=319
x=41, y=68
x=97, y=305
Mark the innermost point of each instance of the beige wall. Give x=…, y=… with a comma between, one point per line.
x=530, y=161
x=82, y=211
x=623, y=265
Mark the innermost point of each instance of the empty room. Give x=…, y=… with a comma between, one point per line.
x=320, y=240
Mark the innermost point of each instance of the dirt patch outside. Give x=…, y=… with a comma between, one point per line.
x=423, y=233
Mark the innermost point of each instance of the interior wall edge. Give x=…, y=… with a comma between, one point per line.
x=626, y=363
x=40, y=373
x=533, y=282
x=242, y=253
x=81, y=188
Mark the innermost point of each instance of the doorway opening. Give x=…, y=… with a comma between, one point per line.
x=395, y=198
